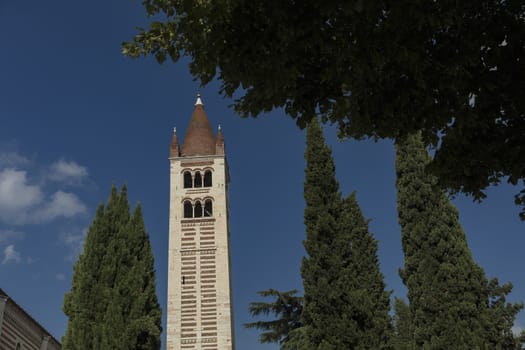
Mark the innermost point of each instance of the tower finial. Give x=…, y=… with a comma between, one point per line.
x=199, y=101
x=174, y=129
x=220, y=127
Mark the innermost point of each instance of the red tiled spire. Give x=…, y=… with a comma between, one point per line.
x=199, y=139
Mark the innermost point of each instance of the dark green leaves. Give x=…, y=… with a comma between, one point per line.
x=363, y=66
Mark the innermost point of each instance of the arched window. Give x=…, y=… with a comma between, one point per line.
x=208, y=209
x=207, y=178
x=188, y=209
x=17, y=346
x=198, y=180
x=187, y=179
x=198, y=209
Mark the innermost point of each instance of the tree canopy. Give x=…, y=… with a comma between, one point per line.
x=287, y=307
x=455, y=70
x=452, y=305
x=345, y=302
x=113, y=303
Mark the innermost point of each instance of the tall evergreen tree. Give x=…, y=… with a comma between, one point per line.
x=80, y=304
x=345, y=304
x=402, y=338
x=112, y=303
x=117, y=218
x=451, y=303
x=367, y=302
x=141, y=310
x=500, y=317
x=320, y=269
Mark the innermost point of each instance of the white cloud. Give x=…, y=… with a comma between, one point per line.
x=69, y=172
x=60, y=276
x=10, y=235
x=10, y=254
x=75, y=243
x=23, y=201
x=16, y=195
x=63, y=204
x=12, y=159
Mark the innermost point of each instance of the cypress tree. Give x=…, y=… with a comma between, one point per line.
x=112, y=303
x=345, y=304
x=141, y=310
x=366, y=302
x=451, y=303
x=402, y=338
x=499, y=318
x=80, y=304
x=113, y=268
x=320, y=269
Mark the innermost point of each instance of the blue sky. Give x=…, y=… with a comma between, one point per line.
x=76, y=117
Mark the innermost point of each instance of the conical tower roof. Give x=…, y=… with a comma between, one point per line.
x=199, y=139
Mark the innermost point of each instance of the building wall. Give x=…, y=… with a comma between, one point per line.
x=18, y=327
x=199, y=291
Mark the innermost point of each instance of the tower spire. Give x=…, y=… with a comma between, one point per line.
x=199, y=139
x=199, y=101
x=174, y=146
x=219, y=144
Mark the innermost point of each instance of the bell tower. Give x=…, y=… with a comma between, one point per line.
x=199, y=313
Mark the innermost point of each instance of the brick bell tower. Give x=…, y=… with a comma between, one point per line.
x=200, y=313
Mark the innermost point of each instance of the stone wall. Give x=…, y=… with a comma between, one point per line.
x=19, y=331
x=199, y=293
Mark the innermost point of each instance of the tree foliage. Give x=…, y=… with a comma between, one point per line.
x=455, y=70
x=403, y=333
x=345, y=305
x=113, y=303
x=345, y=302
x=451, y=303
x=368, y=302
x=287, y=307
